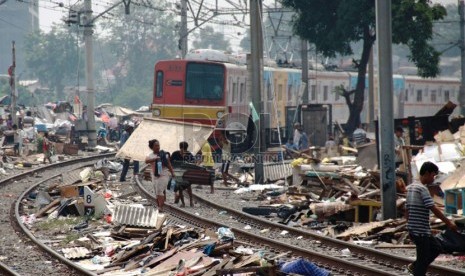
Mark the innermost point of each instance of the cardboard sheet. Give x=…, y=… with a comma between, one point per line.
x=168, y=133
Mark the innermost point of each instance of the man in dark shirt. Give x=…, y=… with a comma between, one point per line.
x=177, y=158
x=182, y=155
x=418, y=207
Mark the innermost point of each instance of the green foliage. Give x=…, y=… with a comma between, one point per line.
x=53, y=58
x=133, y=97
x=57, y=224
x=412, y=25
x=136, y=42
x=246, y=42
x=447, y=33
x=207, y=38
x=69, y=238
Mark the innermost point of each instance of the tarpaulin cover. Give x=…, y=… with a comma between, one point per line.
x=168, y=133
x=303, y=267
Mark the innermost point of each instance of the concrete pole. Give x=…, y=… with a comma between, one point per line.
x=257, y=82
x=88, y=31
x=462, y=55
x=13, y=84
x=304, y=55
x=371, y=91
x=183, y=31
x=386, y=119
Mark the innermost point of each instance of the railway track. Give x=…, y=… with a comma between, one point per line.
x=250, y=230
x=21, y=253
x=341, y=258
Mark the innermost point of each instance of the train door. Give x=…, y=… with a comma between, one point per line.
x=315, y=123
x=291, y=116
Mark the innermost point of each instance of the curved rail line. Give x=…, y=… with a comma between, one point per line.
x=334, y=264
x=364, y=261
x=362, y=253
x=323, y=250
x=86, y=161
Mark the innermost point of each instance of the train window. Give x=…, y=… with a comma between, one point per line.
x=433, y=96
x=406, y=95
x=204, y=81
x=446, y=95
x=241, y=93
x=325, y=93
x=159, y=87
x=234, y=93
x=313, y=92
x=289, y=92
x=280, y=92
x=419, y=95
x=269, y=96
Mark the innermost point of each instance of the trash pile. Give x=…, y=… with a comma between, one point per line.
x=340, y=198
x=107, y=228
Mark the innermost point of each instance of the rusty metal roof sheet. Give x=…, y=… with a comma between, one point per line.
x=136, y=215
x=75, y=252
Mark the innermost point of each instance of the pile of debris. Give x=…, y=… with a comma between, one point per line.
x=107, y=228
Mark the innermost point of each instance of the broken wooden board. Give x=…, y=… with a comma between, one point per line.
x=363, y=229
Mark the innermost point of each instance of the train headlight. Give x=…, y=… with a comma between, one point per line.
x=219, y=114
x=156, y=112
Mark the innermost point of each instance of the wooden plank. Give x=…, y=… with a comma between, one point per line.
x=48, y=207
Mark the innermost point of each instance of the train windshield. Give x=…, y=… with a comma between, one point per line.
x=204, y=81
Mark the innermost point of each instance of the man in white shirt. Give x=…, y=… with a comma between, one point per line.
x=399, y=143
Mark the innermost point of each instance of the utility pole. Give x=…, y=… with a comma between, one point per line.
x=88, y=32
x=386, y=107
x=183, y=30
x=11, y=72
x=257, y=82
x=304, y=55
x=462, y=55
x=371, y=91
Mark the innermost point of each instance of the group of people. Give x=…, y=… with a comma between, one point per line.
x=162, y=163
x=15, y=134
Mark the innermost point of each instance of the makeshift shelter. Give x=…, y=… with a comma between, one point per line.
x=119, y=111
x=168, y=133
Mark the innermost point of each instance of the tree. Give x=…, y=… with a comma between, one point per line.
x=137, y=41
x=334, y=25
x=207, y=38
x=53, y=58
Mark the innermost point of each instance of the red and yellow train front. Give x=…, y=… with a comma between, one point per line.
x=192, y=91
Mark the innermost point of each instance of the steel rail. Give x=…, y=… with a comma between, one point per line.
x=383, y=257
x=335, y=264
x=6, y=270
x=26, y=231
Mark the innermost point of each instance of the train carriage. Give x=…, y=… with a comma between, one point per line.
x=218, y=93
x=424, y=97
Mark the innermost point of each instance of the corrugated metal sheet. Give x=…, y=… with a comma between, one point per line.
x=75, y=252
x=136, y=215
x=276, y=171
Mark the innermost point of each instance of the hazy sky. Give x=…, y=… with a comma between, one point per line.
x=50, y=12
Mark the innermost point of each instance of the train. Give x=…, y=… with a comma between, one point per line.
x=213, y=88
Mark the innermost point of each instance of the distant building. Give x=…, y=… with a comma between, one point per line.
x=18, y=19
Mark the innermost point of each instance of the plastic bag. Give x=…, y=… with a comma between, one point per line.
x=451, y=241
x=171, y=185
x=225, y=234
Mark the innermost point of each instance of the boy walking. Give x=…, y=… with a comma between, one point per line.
x=418, y=207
